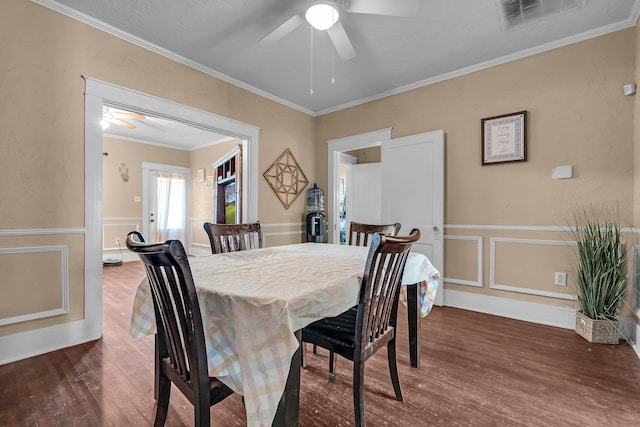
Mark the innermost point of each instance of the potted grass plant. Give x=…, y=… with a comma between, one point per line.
x=600, y=277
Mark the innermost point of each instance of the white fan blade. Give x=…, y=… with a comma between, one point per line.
x=341, y=41
x=121, y=123
x=404, y=8
x=127, y=116
x=282, y=30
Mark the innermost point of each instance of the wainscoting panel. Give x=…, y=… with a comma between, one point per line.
x=514, y=264
x=37, y=268
x=459, y=249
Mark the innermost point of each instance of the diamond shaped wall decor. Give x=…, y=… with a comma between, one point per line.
x=286, y=178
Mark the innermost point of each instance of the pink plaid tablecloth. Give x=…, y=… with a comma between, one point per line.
x=252, y=302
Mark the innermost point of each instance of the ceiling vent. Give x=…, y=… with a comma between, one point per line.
x=516, y=13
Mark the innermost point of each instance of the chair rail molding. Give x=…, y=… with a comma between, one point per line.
x=39, y=231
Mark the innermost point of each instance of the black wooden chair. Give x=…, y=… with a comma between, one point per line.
x=359, y=332
x=180, y=347
x=360, y=234
x=233, y=237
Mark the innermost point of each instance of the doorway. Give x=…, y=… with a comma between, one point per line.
x=336, y=157
x=412, y=186
x=99, y=94
x=346, y=162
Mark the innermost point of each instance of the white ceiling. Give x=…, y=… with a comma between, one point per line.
x=445, y=38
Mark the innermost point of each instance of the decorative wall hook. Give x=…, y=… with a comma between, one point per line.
x=124, y=172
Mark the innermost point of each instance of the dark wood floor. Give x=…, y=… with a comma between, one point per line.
x=476, y=370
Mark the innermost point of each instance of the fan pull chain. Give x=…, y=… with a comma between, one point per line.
x=311, y=63
x=333, y=71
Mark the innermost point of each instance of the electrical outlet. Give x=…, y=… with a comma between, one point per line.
x=118, y=241
x=561, y=278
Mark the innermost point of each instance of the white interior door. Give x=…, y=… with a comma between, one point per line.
x=364, y=194
x=166, y=203
x=413, y=191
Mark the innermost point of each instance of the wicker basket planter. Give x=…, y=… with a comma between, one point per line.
x=597, y=331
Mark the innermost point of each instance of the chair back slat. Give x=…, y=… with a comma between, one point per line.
x=233, y=237
x=177, y=312
x=380, y=288
x=360, y=234
x=173, y=312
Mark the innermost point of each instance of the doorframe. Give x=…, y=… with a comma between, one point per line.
x=334, y=149
x=99, y=93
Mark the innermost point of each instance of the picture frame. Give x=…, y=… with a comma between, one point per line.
x=504, y=138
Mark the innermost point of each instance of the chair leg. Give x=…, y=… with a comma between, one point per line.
x=358, y=390
x=303, y=355
x=164, y=393
x=332, y=370
x=156, y=368
x=201, y=411
x=393, y=368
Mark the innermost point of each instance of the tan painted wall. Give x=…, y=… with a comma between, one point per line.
x=578, y=115
x=43, y=58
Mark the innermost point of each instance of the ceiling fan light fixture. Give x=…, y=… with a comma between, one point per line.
x=322, y=16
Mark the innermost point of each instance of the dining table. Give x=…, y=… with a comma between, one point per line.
x=254, y=304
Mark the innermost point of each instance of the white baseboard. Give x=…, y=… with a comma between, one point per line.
x=543, y=314
x=39, y=341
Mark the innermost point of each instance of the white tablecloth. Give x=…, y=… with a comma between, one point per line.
x=253, y=301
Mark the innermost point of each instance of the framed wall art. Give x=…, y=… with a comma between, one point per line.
x=504, y=138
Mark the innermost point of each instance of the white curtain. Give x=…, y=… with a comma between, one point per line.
x=170, y=221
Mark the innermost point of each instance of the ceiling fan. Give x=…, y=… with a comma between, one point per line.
x=324, y=15
x=114, y=116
